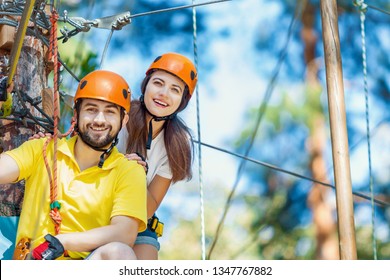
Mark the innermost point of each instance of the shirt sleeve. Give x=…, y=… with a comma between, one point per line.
x=130, y=193
x=26, y=155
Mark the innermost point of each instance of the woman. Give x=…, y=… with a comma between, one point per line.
x=155, y=133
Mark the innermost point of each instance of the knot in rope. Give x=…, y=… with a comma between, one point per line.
x=56, y=218
x=361, y=5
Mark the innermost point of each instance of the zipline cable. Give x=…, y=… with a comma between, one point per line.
x=176, y=8
x=274, y=167
x=378, y=9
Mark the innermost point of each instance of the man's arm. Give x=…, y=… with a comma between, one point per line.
x=122, y=229
x=9, y=170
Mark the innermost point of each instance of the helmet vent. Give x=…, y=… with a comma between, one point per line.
x=83, y=84
x=193, y=75
x=125, y=92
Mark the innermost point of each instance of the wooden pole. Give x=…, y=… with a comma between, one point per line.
x=339, y=136
x=20, y=34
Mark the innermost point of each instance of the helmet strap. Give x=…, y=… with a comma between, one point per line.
x=107, y=152
x=150, y=135
x=155, y=118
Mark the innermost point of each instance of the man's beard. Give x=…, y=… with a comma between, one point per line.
x=95, y=142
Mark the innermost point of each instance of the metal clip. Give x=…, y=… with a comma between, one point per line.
x=6, y=106
x=22, y=249
x=116, y=22
x=3, y=88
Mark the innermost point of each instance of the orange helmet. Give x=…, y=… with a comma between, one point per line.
x=106, y=86
x=179, y=66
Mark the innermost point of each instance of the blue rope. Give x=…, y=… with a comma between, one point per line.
x=363, y=8
x=198, y=128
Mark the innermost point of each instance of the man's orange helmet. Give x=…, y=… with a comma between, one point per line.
x=179, y=66
x=106, y=86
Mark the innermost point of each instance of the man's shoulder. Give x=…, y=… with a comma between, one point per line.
x=116, y=159
x=33, y=144
x=122, y=164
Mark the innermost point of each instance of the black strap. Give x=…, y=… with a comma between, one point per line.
x=150, y=135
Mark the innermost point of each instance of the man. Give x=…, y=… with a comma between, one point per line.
x=100, y=199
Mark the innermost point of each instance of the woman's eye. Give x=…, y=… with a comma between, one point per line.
x=176, y=90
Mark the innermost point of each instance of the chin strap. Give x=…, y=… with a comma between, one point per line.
x=155, y=118
x=107, y=152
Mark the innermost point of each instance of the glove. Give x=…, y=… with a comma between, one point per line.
x=48, y=250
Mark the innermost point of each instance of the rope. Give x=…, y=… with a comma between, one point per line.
x=53, y=55
x=363, y=8
x=198, y=128
x=53, y=179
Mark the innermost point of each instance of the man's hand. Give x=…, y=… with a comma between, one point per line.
x=48, y=250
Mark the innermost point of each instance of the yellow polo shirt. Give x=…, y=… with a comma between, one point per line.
x=89, y=199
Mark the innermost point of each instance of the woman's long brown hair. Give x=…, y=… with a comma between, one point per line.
x=177, y=138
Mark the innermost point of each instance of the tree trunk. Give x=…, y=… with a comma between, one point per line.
x=30, y=79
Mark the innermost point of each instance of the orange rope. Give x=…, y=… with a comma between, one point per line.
x=53, y=56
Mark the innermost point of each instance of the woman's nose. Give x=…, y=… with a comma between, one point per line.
x=163, y=91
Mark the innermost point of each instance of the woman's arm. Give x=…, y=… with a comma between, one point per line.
x=157, y=190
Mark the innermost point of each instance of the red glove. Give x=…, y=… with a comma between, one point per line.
x=48, y=250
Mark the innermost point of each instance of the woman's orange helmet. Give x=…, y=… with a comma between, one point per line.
x=179, y=66
x=106, y=86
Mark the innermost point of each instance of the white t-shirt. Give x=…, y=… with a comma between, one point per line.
x=156, y=156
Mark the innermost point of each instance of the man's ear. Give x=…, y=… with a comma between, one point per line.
x=125, y=119
x=75, y=117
